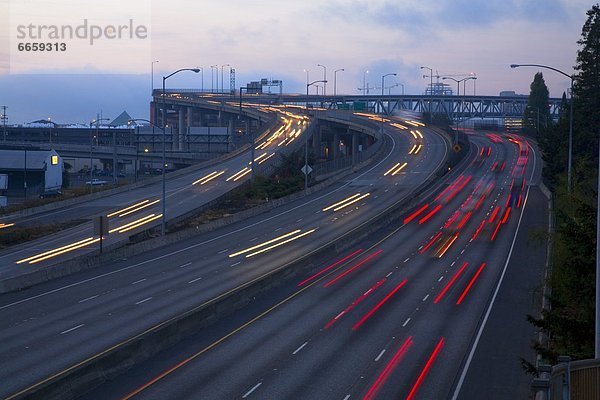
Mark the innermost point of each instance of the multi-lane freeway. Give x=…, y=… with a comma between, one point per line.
x=393, y=316
x=70, y=320
x=396, y=316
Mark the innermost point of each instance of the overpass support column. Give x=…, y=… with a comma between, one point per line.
x=230, y=133
x=190, y=122
x=317, y=142
x=355, y=142
x=178, y=144
x=336, y=145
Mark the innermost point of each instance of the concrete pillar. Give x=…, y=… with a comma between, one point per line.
x=317, y=142
x=178, y=144
x=355, y=142
x=230, y=133
x=336, y=145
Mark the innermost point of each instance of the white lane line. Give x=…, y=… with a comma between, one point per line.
x=390, y=274
x=299, y=348
x=406, y=322
x=249, y=392
x=453, y=262
x=185, y=265
x=380, y=354
x=88, y=298
x=237, y=263
x=195, y=280
x=425, y=298
x=140, y=281
x=407, y=260
x=72, y=329
x=299, y=220
x=277, y=230
x=223, y=251
x=253, y=239
x=347, y=397
x=441, y=277
x=143, y=301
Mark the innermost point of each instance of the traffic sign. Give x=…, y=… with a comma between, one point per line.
x=306, y=170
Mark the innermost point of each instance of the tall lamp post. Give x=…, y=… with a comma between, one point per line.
x=364, y=88
x=223, y=80
x=335, y=81
x=571, y=77
x=137, y=140
x=97, y=122
x=324, y=78
x=308, y=85
x=430, y=87
x=164, y=129
x=383, y=89
x=458, y=81
x=201, y=79
x=212, y=77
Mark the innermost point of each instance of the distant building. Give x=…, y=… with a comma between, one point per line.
x=511, y=93
x=31, y=172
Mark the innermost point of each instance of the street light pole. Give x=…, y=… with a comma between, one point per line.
x=324, y=78
x=364, y=89
x=164, y=129
x=212, y=78
x=335, y=80
x=430, y=87
x=222, y=80
x=306, y=136
x=383, y=93
x=571, y=77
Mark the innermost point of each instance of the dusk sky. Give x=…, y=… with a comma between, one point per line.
x=280, y=39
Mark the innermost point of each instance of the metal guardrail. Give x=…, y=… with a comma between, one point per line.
x=569, y=380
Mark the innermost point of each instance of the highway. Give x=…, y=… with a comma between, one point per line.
x=69, y=320
x=135, y=210
x=397, y=316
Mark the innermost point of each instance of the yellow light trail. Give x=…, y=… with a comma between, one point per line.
x=208, y=178
x=55, y=250
x=258, y=246
x=155, y=217
x=2, y=226
x=418, y=149
x=414, y=134
x=262, y=161
x=37, y=260
x=127, y=225
x=259, y=157
x=411, y=123
x=356, y=200
x=127, y=208
x=242, y=175
x=417, y=123
x=399, y=126
x=413, y=149
x=420, y=134
x=234, y=176
x=280, y=243
x=395, y=169
x=341, y=202
x=450, y=242
x=139, y=208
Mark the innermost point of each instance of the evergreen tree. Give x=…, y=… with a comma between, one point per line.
x=536, y=117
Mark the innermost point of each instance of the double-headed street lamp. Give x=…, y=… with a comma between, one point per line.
x=430, y=87
x=137, y=141
x=164, y=129
x=308, y=85
x=324, y=78
x=571, y=77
